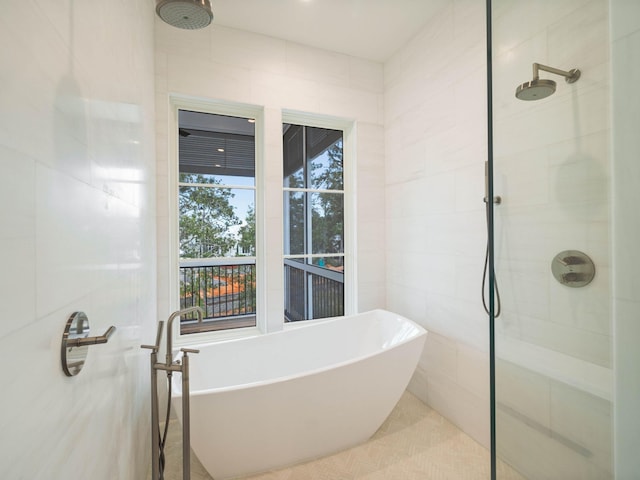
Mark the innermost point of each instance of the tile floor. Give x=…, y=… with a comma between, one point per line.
x=415, y=442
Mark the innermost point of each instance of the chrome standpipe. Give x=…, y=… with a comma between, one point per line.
x=170, y=366
x=186, y=419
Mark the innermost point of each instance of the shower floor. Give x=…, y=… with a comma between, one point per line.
x=415, y=442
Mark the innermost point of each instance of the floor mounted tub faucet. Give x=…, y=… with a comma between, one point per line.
x=157, y=442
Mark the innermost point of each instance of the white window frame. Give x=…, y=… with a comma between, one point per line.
x=269, y=264
x=217, y=107
x=348, y=129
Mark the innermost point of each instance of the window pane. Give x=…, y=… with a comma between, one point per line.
x=216, y=222
x=217, y=152
x=294, y=223
x=325, y=170
x=327, y=297
x=216, y=146
x=335, y=264
x=327, y=223
x=314, y=222
x=244, y=207
x=222, y=291
x=295, y=180
x=293, y=164
x=295, y=292
x=312, y=292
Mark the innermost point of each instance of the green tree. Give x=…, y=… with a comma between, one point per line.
x=328, y=208
x=247, y=233
x=327, y=173
x=296, y=212
x=206, y=218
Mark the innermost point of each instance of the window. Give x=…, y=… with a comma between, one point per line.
x=313, y=222
x=216, y=215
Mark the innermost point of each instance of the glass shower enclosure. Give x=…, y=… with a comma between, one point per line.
x=552, y=168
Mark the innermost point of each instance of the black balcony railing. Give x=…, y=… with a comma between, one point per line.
x=312, y=292
x=226, y=292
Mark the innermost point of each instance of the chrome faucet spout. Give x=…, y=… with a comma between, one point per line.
x=173, y=316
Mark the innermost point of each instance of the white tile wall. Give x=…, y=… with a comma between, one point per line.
x=234, y=66
x=78, y=215
x=435, y=131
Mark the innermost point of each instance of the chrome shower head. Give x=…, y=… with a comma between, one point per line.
x=538, y=88
x=187, y=14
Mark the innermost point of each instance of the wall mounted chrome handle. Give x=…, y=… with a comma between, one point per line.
x=80, y=342
x=76, y=342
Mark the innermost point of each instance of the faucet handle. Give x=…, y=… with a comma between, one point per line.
x=156, y=347
x=189, y=350
x=81, y=342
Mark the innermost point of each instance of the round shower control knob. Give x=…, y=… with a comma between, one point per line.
x=573, y=268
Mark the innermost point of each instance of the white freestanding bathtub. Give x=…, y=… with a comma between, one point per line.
x=273, y=400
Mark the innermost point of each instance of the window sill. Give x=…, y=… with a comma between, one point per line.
x=217, y=336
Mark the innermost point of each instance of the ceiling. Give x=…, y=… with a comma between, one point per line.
x=371, y=29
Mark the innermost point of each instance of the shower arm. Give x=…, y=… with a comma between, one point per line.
x=570, y=76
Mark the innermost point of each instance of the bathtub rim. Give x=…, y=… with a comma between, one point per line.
x=421, y=332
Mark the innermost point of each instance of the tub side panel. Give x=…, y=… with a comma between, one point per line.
x=255, y=429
